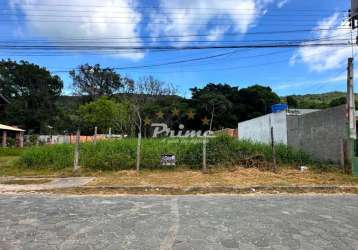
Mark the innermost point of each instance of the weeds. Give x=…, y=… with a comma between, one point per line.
x=120, y=154
x=10, y=151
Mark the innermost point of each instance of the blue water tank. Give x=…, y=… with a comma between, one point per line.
x=279, y=107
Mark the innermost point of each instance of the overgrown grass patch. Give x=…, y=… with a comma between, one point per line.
x=11, y=151
x=121, y=154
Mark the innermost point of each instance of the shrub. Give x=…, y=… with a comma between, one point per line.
x=54, y=156
x=121, y=154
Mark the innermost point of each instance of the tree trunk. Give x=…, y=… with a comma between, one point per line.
x=211, y=119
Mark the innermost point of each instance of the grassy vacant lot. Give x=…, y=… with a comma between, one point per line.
x=112, y=162
x=121, y=154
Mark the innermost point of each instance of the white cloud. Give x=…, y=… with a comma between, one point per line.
x=216, y=34
x=83, y=20
x=282, y=3
x=188, y=17
x=326, y=58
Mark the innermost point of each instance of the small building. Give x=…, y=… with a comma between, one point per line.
x=19, y=135
x=320, y=133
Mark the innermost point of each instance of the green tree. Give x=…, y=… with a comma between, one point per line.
x=339, y=101
x=32, y=91
x=215, y=101
x=292, y=102
x=104, y=113
x=94, y=81
x=255, y=101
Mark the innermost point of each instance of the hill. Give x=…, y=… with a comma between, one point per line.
x=316, y=101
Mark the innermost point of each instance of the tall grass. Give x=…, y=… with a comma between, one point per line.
x=121, y=154
x=10, y=151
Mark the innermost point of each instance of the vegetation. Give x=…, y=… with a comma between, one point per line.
x=32, y=91
x=316, y=101
x=94, y=82
x=10, y=151
x=104, y=98
x=36, y=104
x=121, y=154
x=104, y=113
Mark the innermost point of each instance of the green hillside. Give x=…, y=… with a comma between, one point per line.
x=316, y=101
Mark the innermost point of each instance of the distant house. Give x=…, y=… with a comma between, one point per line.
x=19, y=135
x=320, y=133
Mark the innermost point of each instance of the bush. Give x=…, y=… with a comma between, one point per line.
x=121, y=154
x=54, y=156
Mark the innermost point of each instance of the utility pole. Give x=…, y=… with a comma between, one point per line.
x=352, y=130
x=352, y=136
x=350, y=101
x=353, y=13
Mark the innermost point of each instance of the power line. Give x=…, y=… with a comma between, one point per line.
x=272, y=32
x=198, y=59
x=159, y=23
x=95, y=41
x=190, y=47
x=191, y=60
x=161, y=13
x=155, y=18
x=166, y=7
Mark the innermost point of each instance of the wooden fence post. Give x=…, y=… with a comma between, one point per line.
x=205, y=169
x=95, y=135
x=273, y=151
x=139, y=142
x=77, y=152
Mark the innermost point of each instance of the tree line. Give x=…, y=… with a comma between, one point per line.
x=104, y=98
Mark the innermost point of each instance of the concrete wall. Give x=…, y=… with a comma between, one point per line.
x=320, y=134
x=259, y=129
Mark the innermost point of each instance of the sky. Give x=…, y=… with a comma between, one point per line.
x=181, y=23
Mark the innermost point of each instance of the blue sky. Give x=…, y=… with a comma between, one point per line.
x=183, y=22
